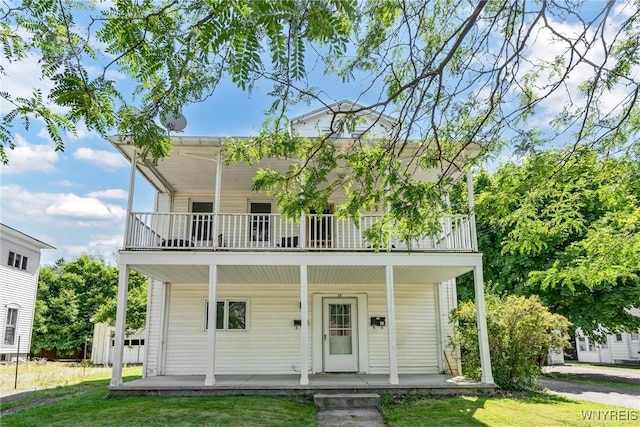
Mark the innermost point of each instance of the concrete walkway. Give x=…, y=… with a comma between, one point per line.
x=606, y=394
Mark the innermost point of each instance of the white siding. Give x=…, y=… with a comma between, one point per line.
x=18, y=288
x=271, y=345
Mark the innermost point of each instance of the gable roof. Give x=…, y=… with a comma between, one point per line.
x=19, y=235
x=339, y=106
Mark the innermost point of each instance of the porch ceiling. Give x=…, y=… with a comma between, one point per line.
x=191, y=166
x=290, y=274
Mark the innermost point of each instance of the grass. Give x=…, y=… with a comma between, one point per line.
x=92, y=409
x=540, y=410
x=79, y=398
x=592, y=381
x=72, y=395
x=32, y=376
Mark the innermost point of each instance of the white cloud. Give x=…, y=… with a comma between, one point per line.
x=83, y=209
x=27, y=157
x=22, y=78
x=112, y=193
x=107, y=245
x=106, y=159
x=67, y=183
x=60, y=209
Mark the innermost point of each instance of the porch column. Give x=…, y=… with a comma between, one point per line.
x=121, y=316
x=481, y=319
x=472, y=212
x=211, y=329
x=391, y=328
x=132, y=185
x=216, y=209
x=304, y=318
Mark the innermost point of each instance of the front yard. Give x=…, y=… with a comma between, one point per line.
x=78, y=398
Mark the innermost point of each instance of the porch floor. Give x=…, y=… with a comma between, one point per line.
x=289, y=385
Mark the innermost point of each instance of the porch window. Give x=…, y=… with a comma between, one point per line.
x=260, y=223
x=202, y=222
x=10, y=326
x=635, y=337
x=230, y=315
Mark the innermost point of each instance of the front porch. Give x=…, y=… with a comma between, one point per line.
x=289, y=385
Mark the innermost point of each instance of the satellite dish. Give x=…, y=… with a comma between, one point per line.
x=173, y=122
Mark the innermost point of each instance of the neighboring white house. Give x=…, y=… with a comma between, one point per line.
x=20, y=262
x=237, y=288
x=103, y=345
x=617, y=348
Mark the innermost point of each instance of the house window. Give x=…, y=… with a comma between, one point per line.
x=230, y=315
x=582, y=344
x=618, y=337
x=635, y=337
x=17, y=261
x=259, y=226
x=202, y=222
x=10, y=326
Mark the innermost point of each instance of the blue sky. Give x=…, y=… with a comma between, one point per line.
x=76, y=200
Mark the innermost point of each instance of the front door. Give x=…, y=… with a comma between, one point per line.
x=340, y=335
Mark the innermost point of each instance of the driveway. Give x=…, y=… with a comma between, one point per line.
x=610, y=395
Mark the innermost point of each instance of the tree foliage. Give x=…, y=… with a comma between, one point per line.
x=175, y=52
x=570, y=234
x=73, y=295
x=521, y=331
x=455, y=75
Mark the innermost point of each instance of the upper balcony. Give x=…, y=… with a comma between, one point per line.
x=273, y=232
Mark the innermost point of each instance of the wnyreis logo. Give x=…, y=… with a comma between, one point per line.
x=610, y=415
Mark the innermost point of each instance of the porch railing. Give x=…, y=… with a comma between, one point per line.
x=246, y=231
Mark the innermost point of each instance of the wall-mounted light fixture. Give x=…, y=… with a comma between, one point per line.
x=378, y=321
x=297, y=323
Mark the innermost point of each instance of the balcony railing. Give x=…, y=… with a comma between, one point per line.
x=265, y=232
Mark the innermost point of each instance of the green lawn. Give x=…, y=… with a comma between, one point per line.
x=77, y=396
x=92, y=409
x=543, y=410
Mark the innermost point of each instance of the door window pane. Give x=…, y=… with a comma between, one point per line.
x=340, y=333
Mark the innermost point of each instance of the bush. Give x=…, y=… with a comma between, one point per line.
x=521, y=332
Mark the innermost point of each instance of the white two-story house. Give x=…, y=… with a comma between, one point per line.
x=237, y=288
x=20, y=256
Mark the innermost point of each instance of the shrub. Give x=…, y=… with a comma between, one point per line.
x=521, y=331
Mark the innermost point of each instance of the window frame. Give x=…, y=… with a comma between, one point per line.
x=13, y=325
x=17, y=260
x=225, y=314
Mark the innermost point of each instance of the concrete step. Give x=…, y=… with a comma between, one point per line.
x=369, y=417
x=346, y=401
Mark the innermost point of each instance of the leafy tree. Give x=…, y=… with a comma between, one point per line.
x=570, y=235
x=521, y=331
x=73, y=295
x=456, y=75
